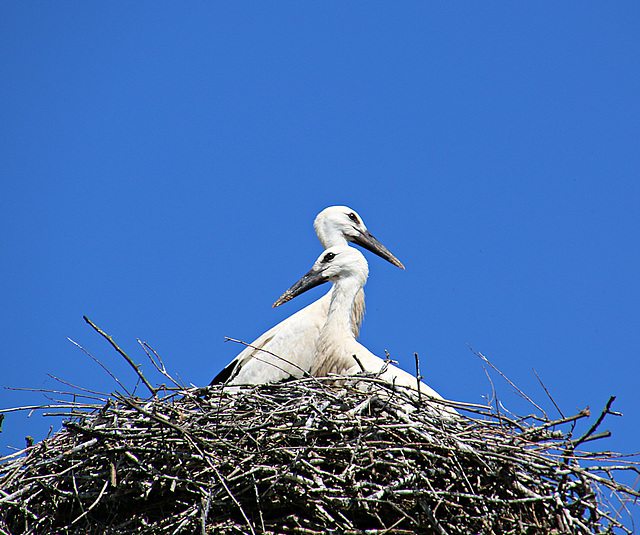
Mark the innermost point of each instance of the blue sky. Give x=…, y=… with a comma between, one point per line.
x=162, y=164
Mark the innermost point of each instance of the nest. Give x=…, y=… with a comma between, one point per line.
x=307, y=458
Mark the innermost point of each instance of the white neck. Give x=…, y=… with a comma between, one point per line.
x=340, y=308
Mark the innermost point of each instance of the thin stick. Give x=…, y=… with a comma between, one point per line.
x=70, y=405
x=49, y=391
x=604, y=412
x=548, y=394
x=127, y=358
x=508, y=381
x=418, y=377
x=244, y=515
x=161, y=368
x=305, y=373
x=101, y=365
x=104, y=487
x=582, y=414
x=76, y=386
x=359, y=363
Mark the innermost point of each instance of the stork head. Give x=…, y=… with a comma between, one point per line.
x=336, y=263
x=337, y=225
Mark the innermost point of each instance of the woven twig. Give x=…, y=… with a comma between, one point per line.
x=300, y=457
x=307, y=458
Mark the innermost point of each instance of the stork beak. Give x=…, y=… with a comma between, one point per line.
x=368, y=241
x=310, y=280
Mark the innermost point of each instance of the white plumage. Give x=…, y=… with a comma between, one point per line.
x=348, y=270
x=288, y=349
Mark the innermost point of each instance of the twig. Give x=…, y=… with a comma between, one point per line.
x=548, y=394
x=604, y=412
x=509, y=381
x=70, y=405
x=82, y=389
x=101, y=365
x=104, y=487
x=358, y=361
x=49, y=391
x=126, y=357
x=584, y=413
x=418, y=377
x=432, y=518
x=305, y=373
x=299, y=457
x=161, y=368
x=233, y=498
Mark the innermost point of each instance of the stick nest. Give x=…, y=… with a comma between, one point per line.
x=302, y=457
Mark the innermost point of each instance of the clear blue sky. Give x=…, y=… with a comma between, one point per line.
x=162, y=164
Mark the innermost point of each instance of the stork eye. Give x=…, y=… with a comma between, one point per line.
x=328, y=257
x=354, y=218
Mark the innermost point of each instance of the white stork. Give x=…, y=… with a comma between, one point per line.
x=288, y=348
x=348, y=270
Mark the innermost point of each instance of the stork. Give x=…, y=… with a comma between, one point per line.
x=347, y=268
x=288, y=348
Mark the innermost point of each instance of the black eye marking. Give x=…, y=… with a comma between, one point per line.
x=354, y=218
x=328, y=257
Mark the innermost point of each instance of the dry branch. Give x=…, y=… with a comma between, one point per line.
x=300, y=457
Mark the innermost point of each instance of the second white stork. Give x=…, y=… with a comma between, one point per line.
x=348, y=270
x=288, y=348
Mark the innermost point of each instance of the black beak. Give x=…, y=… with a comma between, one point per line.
x=310, y=280
x=368, y=241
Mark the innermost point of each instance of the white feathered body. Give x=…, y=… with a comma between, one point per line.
x=289, y=347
